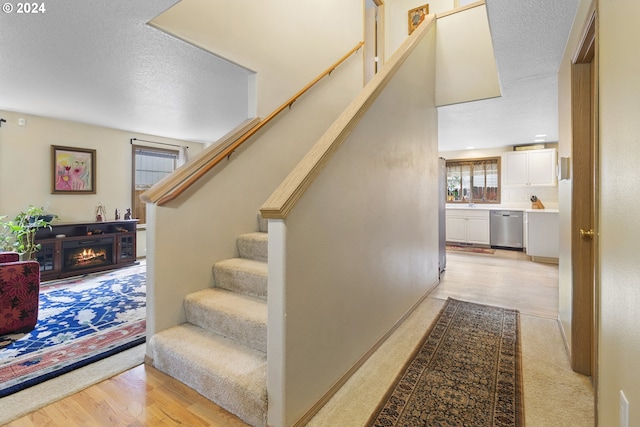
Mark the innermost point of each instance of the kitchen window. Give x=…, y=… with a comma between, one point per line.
x=473, y=180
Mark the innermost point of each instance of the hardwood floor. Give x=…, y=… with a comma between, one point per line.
x=144, y=396
x=507, y=279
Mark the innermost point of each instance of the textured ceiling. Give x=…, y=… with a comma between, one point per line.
x=529, y=38
x=98, y=62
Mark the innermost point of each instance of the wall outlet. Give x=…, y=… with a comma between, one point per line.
x=624, y=410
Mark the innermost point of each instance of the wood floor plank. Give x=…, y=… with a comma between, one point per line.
x=511, y=282
x=142, y=396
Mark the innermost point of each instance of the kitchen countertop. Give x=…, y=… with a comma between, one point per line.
x=542, y=210
x=488, y=207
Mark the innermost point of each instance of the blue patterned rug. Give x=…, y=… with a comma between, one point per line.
x=81, y=320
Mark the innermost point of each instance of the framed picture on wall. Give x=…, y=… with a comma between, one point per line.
x=73, y=170
x=416, y=16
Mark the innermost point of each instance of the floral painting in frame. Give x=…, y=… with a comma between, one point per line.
x=74, y=170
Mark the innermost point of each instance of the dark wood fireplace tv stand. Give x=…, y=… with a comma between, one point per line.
x=75, y=248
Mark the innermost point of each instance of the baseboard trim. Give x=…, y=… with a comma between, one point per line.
x=544, y=259
x=564, y=339
x=304, y=420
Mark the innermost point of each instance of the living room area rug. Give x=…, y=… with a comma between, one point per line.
x=80, y=320
x=466, y=371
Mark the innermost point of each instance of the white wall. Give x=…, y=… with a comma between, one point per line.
x=397, y=19
x=286, y=43
x=465, y=65
x=201, y=227
x=361, y=246
x=619, y=228
x=464, y=56
x=25, y=165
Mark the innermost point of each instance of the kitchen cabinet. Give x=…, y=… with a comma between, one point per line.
x=530, y=168
x=543, y=234
x=468, y=226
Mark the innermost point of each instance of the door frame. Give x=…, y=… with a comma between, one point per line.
x=585, y=202
x=374, y=38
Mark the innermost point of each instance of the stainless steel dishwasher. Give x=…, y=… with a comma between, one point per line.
x=507, y=229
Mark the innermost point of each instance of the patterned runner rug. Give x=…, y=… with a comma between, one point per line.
x=471, y=249
x=80, y=321
x=465, y=372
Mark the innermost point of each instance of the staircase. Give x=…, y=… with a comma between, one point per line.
x=221, y=351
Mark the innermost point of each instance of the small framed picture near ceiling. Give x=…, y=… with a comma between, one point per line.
x=416, y=16
x=73, y=170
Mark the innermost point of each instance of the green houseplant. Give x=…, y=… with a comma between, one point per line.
x=19, y=235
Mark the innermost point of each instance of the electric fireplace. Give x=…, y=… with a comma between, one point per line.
x=87, y=253
x=75, y=248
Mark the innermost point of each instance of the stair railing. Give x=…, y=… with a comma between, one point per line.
x=178, y=182
x=285, y=197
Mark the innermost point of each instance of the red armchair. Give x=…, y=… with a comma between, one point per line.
x=19, y=292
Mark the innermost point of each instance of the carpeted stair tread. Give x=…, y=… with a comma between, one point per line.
x=245, y=276
x=263, y=224
x=221, y=351
x=225, y=372
x=239, y=317
x=253, y=246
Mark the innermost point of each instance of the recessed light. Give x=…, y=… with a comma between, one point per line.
x=470, y=148
x=542, y=135
x=539, y=140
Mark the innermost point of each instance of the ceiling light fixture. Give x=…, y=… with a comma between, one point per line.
x=542, y=135
x=539, y=140
x=470, y=148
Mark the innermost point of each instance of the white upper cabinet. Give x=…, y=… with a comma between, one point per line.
x=530, y=168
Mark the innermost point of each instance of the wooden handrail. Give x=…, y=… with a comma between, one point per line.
x=176, y=185
x=167, y=184
x=460, y=9
x=285, y=197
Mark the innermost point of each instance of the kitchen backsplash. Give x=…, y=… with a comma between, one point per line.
x=521, y=196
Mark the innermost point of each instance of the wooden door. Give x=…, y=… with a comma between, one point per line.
x=584, y=213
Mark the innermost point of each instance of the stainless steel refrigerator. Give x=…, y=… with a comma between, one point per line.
x=442, y=221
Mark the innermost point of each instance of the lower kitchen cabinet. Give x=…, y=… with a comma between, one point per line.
x=468, y=226
x=543, y=234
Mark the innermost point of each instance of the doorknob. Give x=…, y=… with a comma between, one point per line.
x=587, y=234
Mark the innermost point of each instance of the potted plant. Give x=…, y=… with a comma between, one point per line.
x=19, y=235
